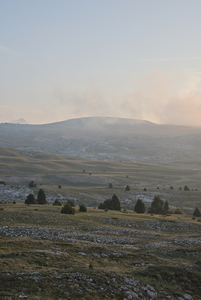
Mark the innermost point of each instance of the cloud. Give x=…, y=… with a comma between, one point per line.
x=158, y=97
x=171, y=59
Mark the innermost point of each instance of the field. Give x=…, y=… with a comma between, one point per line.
x=98, y=254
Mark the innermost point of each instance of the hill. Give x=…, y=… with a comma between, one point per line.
x=109, y=139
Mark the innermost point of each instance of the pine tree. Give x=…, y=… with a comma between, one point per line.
x=111, y=204
x=41, y=198
x=68, y=209
x=83, y=208
x=156, y=206
x=139, y=207
x=127, y=188
x=197, y=212
x=166, y=208
x=30, y=199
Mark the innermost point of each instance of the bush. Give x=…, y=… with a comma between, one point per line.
x=186, y=188
x=2, y=182
x=57, y=203
x=41, y=198
x=139, y=207
x=83, y=208
x=145, y=190
x=171, y=188
x=197, y=212
x=14, y=202
x=112, y=204
x=177, y=211
x=180, y=188
x=59, y=186
x=91, y=266
x=127, y=188
x=30, y=199
x=32, y=184
x=68, y=209
x=110, y=185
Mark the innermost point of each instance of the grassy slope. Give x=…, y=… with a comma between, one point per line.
x=48, y=167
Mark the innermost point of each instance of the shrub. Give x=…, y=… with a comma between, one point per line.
x=30, y=199
x=14, y=202
x=127, y=188
x=59, y=186
x=41, y=198
x=145, y=190
x=186, y=188
x=83, y=208
x=171, y=188
x=180, y=189
x=197, y=212
x=32, y=184
x=2, y=182
x=110, y=185
x=139, y=207
x=112, y=204
x=68, y=209
x=71, y=203
x=91, y=266
x=177, y=211
x=57, y=203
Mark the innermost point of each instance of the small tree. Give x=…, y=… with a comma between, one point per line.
x=127, y=188
x=186, y=188
x=156, y=206
x=112, y=204
x=145, y=190
x=171, y=188
x=83, y=208
x=59, y=186
x=110, y=185
x=166, y=208
x=139, y=207
x=30, y=199
x=197, y=212
x=68, y=209
x=41, y=198
x=57, y=203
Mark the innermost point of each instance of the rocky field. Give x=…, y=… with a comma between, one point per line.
x=97, y=255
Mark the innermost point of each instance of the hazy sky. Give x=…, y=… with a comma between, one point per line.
x=65, y=59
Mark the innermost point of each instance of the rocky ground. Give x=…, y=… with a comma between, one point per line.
x=97, y=255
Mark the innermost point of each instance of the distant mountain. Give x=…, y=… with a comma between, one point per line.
x=109, y=139
x=19, y=121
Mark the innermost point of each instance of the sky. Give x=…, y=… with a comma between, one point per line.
x=64, y=59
